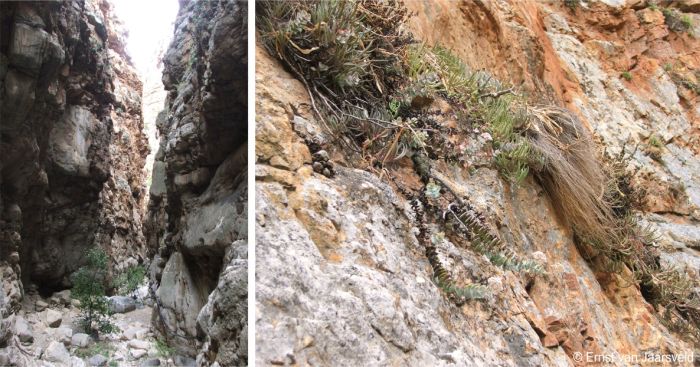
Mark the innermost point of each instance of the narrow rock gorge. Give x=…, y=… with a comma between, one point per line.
x=198, y=198
x=73, y=177
x=348, y=274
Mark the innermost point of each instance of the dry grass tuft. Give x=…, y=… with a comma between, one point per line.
x=570, y=172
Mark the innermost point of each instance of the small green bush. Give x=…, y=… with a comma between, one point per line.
x=572, y=4
x=89, y=288
x=655, y=141
x=626, y=75
x=686, y=21
x=130, y=279
x=101, y=347
x=676, y=21
x=163, y=349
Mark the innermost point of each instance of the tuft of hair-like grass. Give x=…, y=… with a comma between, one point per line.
x=570, y=172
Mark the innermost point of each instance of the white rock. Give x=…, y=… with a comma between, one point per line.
x=63, y=297
x=81, y=340
x=139, y=344
x=540, y=257
x=23, y=330
x=121, y=304
x=40, y=305
x=495, y=283
x=77, y=362
x=97, y=360
x=64, y=335
x=137, y=353
x=57, y=352
x=53, y=318
x=135, y=333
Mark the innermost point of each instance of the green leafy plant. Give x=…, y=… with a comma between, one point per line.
x=676, y=21
x=654, y=147
x=163, y=349
x=394, y=108
x=668, y=67
x=686, y=21
x=626, y=75
x=130, y=279
x=432, y=190
x=653, y=6
x=463, y=293
x=89, y=288
x=100, y=347
x=572, y=4
x=464, y=220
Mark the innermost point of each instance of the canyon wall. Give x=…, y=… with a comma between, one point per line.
x=198, y=198
x=341, y=277
x=72, y=148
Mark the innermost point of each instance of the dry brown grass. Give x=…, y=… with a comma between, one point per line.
x=570, y=172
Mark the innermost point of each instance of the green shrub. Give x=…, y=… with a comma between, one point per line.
x=626, y=75
x=677, y=22
x=163, y=349
x=89, y=288
x=686, y=21
x=100, y=347
x=130, y=279
x=572, y=4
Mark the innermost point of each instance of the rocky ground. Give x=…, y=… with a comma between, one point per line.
x=46, y=333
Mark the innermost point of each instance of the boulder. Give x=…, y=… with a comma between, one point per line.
x=135, y=333
x=40, y=305
x=121, y=304
x=5, y=359
x=97, y=360
x=57, y=352
x=151, y=362
x=184, y=361
x=23, y=330
x=139, y=344
x=53, y=318
x=81, y=340
x=19, y=93
x=70, y=140
x=77, y=362
x=27, y=48
x=137, y=353
x=63, y=297
x=64, y=335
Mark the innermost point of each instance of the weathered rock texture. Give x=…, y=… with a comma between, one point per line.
x=198, y=199
x=341, y=278
x=71, y=145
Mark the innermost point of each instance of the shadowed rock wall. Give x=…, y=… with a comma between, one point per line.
x=71, y=145
x=198, y=199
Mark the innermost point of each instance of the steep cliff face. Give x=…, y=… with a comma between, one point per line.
x=342, y=277
x=198, y=200
x=72, y=148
